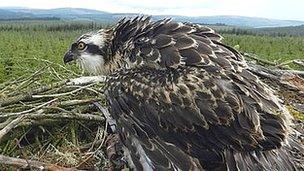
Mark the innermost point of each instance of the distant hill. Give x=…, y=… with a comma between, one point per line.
x=7, y=14
x=240, y=21
x=61, y=13
x=100, y=16
x=281, y=31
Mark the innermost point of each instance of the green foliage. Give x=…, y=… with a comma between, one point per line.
x=49, y=25
x=268, y=31
x=24, y=44
x=268, y=47
x=19, y=48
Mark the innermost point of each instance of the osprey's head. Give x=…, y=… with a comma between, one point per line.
x=112, y=49
x=89, y=50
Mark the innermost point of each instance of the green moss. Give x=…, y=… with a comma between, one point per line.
x=296, y=114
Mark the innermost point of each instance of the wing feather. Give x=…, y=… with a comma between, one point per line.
x=195, y=105
x=194, y=120
x=189, y=44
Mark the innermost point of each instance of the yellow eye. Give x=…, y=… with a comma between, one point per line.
x=81, y=46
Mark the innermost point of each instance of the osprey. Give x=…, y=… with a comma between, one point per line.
x=183, y=100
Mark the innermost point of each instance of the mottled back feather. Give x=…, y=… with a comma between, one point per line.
x=167, y=44
x=186, y=101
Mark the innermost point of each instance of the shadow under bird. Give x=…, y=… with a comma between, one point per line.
x=183, y=100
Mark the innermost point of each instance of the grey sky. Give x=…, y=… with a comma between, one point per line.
x=278, y=9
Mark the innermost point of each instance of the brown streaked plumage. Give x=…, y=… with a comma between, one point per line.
x=185, y=101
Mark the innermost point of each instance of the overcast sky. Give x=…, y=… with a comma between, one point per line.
x=278, y=9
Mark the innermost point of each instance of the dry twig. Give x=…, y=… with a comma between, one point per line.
x=22, y=163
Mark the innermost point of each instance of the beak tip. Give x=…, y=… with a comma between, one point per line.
x=68, y=57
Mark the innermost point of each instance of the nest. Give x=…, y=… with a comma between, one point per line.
x=52, y=124
x=62, y=124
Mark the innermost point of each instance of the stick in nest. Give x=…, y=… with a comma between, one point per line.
x=22, y=163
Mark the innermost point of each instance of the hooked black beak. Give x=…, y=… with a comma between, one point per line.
x=68, y=57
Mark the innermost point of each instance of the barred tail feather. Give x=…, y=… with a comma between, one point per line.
x=162, y=156
x=287, y=158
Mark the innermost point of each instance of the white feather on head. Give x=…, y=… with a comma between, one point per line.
x=96, y=38
x=91, y=63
